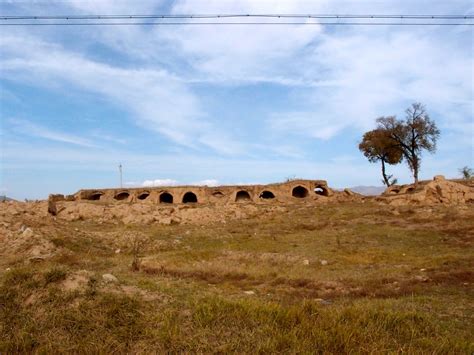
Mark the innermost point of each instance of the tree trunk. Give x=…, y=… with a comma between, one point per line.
x=385, y=179
x=416, y=166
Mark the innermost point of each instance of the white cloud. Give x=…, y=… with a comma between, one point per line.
x=340, y=77
x=172, y=182
x=206, y=182
x=34, y=130
x=113, y=7
x=380, y=74
x=243, y=53
x=337, y=78
x=102, y=136
x=332, y=78
x=156, y=99
x=160, y=182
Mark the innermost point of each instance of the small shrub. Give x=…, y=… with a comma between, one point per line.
x=54, y=275
x=137, y=245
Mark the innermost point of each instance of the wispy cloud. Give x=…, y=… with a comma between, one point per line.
x=34, y=130
x=187, y=86
x=156, y=99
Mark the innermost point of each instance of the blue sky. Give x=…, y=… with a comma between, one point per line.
x=227, y=104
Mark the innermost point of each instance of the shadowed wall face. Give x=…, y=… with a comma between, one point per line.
x=299, y=192
x=143, y=196
x=217, y=194
x=166, y=197
x=189, y=197
x=122, y=196
x=266, y=195
x=95, y=196
x=242, y=196
x=320, y=190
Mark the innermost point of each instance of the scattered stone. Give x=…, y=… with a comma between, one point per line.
x=421, y=278
x=77, y=281
x=166, y=220
x=109, y=278
x=37, y=258
x=422, y=270
x=306, y=262
x=324, y=262
x=249, y=292
x=27, y=233
x=323, y=301
x=117, y=251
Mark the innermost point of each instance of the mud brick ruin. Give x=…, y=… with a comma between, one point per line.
x=282, y=192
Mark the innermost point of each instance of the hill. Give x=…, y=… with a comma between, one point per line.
x=368, y=190
x=5, y=198
x=330, y=278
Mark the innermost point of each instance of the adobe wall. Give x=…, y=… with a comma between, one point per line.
x=293, y=190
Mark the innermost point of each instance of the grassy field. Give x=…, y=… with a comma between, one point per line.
x=336, y=278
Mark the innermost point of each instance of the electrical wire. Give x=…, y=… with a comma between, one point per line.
x=335, y=20
x=236, y=23
x=217, y=16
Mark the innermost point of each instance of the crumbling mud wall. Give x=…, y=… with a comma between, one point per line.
x=294, y=190
x=191, y=204
x=204, y=204
x=437, y=191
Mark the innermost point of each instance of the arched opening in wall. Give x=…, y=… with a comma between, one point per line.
x=320, y=190
x=266, y=195
x=410, y=190
x=394, y=191
x=143, y=195
x=190, y=197
x=122, y=196
x=242, y=196
x=299, y=192
x=166, y=197
x=217, y=194
x=95, y=196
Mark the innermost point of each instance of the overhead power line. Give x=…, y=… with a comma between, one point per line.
x=222, y=19
x=236, y=23
x=209, y=16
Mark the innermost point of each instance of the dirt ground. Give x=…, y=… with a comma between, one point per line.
x=338, y=277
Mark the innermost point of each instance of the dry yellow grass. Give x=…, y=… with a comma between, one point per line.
x=396, y=280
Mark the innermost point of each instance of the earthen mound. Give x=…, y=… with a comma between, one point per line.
x=437, y=191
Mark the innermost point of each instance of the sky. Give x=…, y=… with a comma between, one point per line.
x=223, y=104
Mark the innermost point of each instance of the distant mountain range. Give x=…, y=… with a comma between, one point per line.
x=5, y=198
x=368, y=190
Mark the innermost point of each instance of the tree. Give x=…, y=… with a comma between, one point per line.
x=412, y=135
x=377, y=145
x=466, y=172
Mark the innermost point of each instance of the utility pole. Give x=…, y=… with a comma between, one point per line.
x=120, y=171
